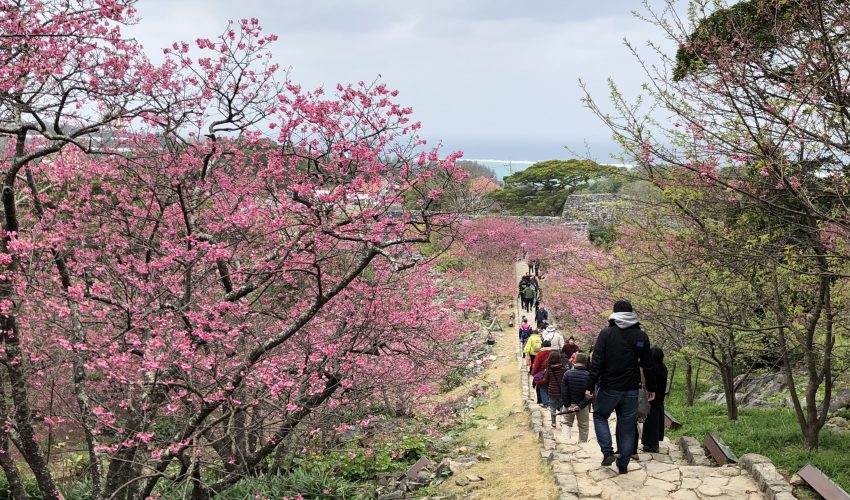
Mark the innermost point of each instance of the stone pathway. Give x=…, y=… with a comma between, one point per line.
x=665, y=475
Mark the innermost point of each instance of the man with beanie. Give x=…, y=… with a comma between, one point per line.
x=620, y=352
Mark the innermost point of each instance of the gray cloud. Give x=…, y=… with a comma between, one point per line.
x=494, y=77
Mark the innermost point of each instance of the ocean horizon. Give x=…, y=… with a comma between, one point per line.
x=503, y=168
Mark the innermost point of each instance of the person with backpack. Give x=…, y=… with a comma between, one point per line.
x=528, y=295
x=574, y=383
x=554, y=337
x=621, y=350
x=538, y=373
x=555, y=370
x=532, y=346
x=653, y=427
x=524, y=332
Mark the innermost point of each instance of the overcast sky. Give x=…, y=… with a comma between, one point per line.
x=493, y=78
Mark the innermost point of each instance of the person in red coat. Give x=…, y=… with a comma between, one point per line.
x=540, y=364
x=569, y=348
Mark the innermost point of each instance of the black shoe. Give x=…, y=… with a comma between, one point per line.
x=651, y=449
x=608, y=459
x=623, y=471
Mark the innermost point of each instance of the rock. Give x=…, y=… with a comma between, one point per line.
x=748, y=460
x=462, y=449
x=684, y=495
x=415, y=485
x=484, y=458
x=474, y=478
x=796, y=480
x=626, y=482
x=602, y=473
x=653, y=468
x=728, y=471
x=660, y=484
x=715, y=481
x=840, y=400
x=839, y=422
x=568, y=483
x=492, y=427
x=562, y=468
x=461, y=482
x=690, y=483
x=709, y=491
x=423, y=476
x=743, y=483
x=456, y=466
x=671, y=476
x=588, y=488
x=784, y=495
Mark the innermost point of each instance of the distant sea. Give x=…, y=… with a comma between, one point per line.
x=504, y=168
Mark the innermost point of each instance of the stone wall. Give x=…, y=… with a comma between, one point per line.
x=598, y=208
x=578, y=226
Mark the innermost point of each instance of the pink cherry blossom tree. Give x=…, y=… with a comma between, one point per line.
x=199, y=256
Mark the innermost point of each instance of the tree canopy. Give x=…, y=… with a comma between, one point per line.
x=542, y=188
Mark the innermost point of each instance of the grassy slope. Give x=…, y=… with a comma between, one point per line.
x=773, y=433
x=516, y=469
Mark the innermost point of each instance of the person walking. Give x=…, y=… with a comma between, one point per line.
x=541, y=362
x=532, y=347
x=653, y=428
x=524, y=332
x=554, y=337
x=555, y=370
x=575, y=400
x=619, y=353
x=569, y=349
x=528, y=295
x=541, y=314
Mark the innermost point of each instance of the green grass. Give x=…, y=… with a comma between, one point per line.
x=773, y=433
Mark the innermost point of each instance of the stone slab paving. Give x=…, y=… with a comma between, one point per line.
x=654, y=476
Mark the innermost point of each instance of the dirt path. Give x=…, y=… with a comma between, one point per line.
x=515, y=469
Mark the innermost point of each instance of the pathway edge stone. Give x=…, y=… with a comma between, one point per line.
x=770, y=481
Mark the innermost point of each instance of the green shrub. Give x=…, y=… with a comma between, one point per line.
x=315, y=481
x=602, y=235
x=772, y=432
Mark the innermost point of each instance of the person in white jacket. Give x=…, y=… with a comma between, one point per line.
x=554, y=337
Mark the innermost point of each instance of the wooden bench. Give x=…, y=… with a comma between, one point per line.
x=720, y=452
x=821, y=483
x=670, y=422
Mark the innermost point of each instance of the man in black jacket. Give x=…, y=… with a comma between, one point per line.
x=541, y=314
x=620, y=352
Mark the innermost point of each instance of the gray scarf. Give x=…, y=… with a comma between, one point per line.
x=624, y=319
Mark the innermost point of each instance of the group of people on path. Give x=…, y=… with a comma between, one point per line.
x=530, y=293
x=621, y=368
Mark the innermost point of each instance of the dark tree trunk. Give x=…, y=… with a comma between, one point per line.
x=727, y=374
x=689, y=380
x=10, y=468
